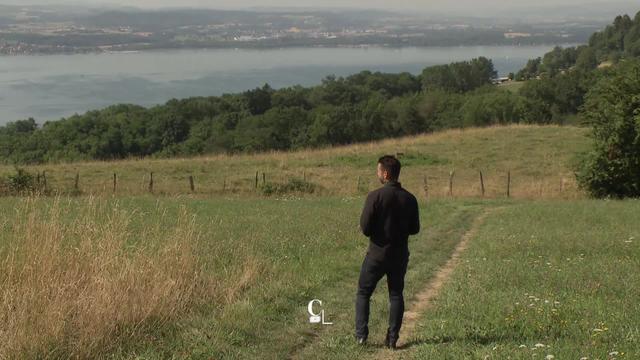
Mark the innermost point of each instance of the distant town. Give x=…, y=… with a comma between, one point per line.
x=42, y=30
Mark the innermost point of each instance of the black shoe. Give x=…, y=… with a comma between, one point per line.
x=390, y=344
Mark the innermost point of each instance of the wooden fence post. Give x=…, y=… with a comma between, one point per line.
x=451, y=173
x=224, y=185
x=481, y=183
x=77, y=183
x=191, y=184
x=115, y=182
x=44, y=179
x=358, y=185
x=425, y=186
x=264, y=179
x=541, y=185
x=509, y=183
x=151, y=183
x=256, y=180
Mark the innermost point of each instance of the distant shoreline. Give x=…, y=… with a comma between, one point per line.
x=292, y=46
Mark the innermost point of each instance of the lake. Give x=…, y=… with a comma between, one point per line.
x=53, y=86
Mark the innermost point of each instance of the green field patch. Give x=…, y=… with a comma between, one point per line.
x=542, y=280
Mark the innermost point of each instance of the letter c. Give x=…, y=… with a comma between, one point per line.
x=310, y=307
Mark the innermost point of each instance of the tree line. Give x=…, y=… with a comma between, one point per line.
x=341, y=110
x=618, y=41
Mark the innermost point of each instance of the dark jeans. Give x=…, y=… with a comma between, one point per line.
x=394, y=265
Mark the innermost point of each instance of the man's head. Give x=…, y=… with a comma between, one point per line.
x=388, y=168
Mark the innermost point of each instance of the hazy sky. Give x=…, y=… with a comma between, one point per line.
x=532, y=9
x=396, y=4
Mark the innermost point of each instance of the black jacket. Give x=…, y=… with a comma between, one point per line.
x=389, y=216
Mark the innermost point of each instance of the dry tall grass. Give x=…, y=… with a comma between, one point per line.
x=77, y=286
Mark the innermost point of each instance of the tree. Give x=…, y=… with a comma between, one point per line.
x=21, y=127
x=337, y=92
x=440, y=110
x=259, y=99
x=632, y=39
x=332, y=125
x=586, y=59
x=558, y=60
x=438, y=77
x=482, y=72
x=612, y=168
x=530, y=71
x=460, y=76
x=291, y=96
x=540, y=98
x=491, y=107
x=404, y=117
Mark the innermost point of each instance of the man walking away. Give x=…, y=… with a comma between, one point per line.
x=389, y=216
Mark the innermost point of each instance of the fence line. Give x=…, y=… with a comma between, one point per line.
x=457, y=185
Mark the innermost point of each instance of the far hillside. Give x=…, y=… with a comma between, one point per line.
x=538, y=158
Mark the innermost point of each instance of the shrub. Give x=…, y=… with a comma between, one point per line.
x=19, y=183
x=293, y=185
x=612, y=168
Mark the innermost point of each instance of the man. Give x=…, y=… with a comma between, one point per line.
x=389, y=216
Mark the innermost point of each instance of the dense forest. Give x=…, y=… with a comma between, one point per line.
x=341, y=110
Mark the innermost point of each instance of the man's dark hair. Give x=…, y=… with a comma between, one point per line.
x=391, y=165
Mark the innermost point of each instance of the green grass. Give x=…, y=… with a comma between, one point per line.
x=539, y=158
x=309, y=249
x=285, y=252
x=556, y=273
x=561, y=274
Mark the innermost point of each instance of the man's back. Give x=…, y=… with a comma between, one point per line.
x=389, y=216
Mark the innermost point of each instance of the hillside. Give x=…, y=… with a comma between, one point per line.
x=538, y=157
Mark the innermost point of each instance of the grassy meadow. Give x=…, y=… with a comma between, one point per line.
x=184, y=278
x=542, y=280
x=228, y=274
x=539, y=158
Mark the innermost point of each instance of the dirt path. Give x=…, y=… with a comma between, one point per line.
x=424, y=299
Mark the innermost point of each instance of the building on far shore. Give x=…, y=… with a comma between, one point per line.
x=515, y=35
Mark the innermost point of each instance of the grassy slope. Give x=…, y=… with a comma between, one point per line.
x=539, y=159
x=551, y=273
x=269, y=258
